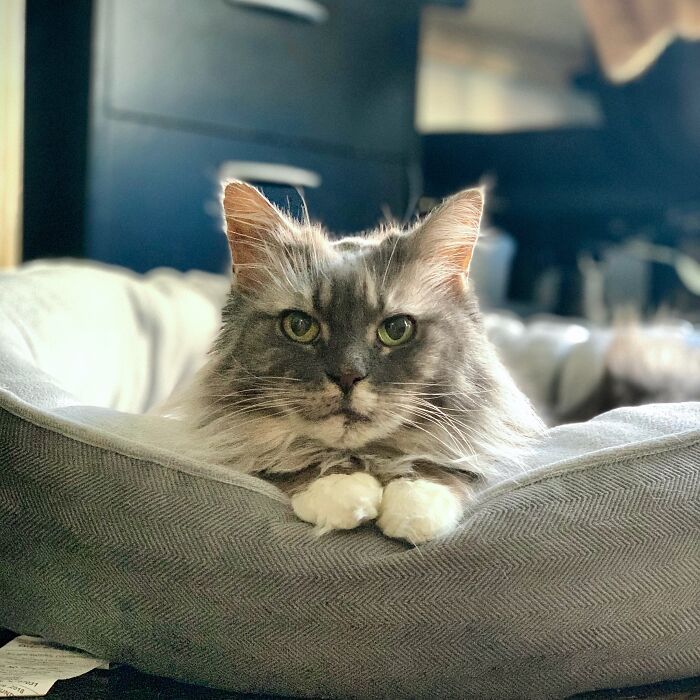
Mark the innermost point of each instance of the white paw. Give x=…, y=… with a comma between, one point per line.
x=418, y=510
x=339, y=501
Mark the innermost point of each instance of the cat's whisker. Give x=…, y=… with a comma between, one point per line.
x=249, y=373
x=463, y=392
x=427, y=394
x=444, y=410
x=436, y=416
x=454, y=449
x=391, y=257
x=451, y=420
x=428, y=413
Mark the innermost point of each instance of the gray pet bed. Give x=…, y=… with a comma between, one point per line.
x=582, y=573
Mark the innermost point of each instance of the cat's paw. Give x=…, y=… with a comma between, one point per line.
x=418, y=510
x=339, y=501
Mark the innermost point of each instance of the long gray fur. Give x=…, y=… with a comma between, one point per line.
x=263, y=404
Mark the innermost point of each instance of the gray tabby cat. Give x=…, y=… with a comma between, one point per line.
x=355, y=373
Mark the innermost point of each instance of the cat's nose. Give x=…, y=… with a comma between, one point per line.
x=346, y=380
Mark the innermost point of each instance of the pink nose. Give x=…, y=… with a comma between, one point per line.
x=347, y=380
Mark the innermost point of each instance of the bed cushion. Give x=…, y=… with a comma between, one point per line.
x=580, y=573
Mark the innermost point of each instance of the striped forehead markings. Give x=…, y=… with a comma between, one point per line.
x=347, y=296
x=325, y=292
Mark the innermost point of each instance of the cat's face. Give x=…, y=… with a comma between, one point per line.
x=346, y=341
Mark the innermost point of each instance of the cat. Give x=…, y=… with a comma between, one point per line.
x=355, y=373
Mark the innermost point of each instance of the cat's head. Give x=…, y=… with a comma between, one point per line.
x=345, y=341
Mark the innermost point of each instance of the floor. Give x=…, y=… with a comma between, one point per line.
x=124, y=683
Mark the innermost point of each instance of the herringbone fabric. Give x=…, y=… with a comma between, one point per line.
x=582, y=573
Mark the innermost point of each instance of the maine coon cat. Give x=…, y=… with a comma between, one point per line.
x=355, y=373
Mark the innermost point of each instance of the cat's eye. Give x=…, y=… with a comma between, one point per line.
x=396, y=330
x=300, y=327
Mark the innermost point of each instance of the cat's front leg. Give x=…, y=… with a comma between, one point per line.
x=419, y=509
x=339, y=501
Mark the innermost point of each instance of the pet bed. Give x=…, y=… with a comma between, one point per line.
x=581, y=573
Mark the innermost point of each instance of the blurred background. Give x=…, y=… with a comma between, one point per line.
x=118, y=118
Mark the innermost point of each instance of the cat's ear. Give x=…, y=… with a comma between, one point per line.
x=255, y=228
x=447, y=237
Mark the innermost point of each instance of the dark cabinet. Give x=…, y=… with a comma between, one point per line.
x=155, y=193
x=185, y=91
x=341, y=78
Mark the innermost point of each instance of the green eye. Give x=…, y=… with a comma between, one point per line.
x=396, y=330
x=300, y=327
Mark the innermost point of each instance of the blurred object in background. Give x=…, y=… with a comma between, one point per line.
x=137, y=108
x=575, y=371
x=641, y=364
x=642, y=277
x=629, y=35
x=621, y=280
x=11, y=108
x=503, y=65
x=490, y=269
x=583, y=167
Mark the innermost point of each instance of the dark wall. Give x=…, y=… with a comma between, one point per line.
x=58, y=36
x=562, y=191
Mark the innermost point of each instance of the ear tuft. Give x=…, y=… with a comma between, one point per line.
x=449, y=234
x=253, y=226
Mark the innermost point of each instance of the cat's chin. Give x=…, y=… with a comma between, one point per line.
x=343, y=431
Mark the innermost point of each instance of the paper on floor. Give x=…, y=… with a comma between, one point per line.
x=29, y=666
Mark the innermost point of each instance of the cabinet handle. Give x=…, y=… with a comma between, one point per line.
x=303, y=10
x=268, y=173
